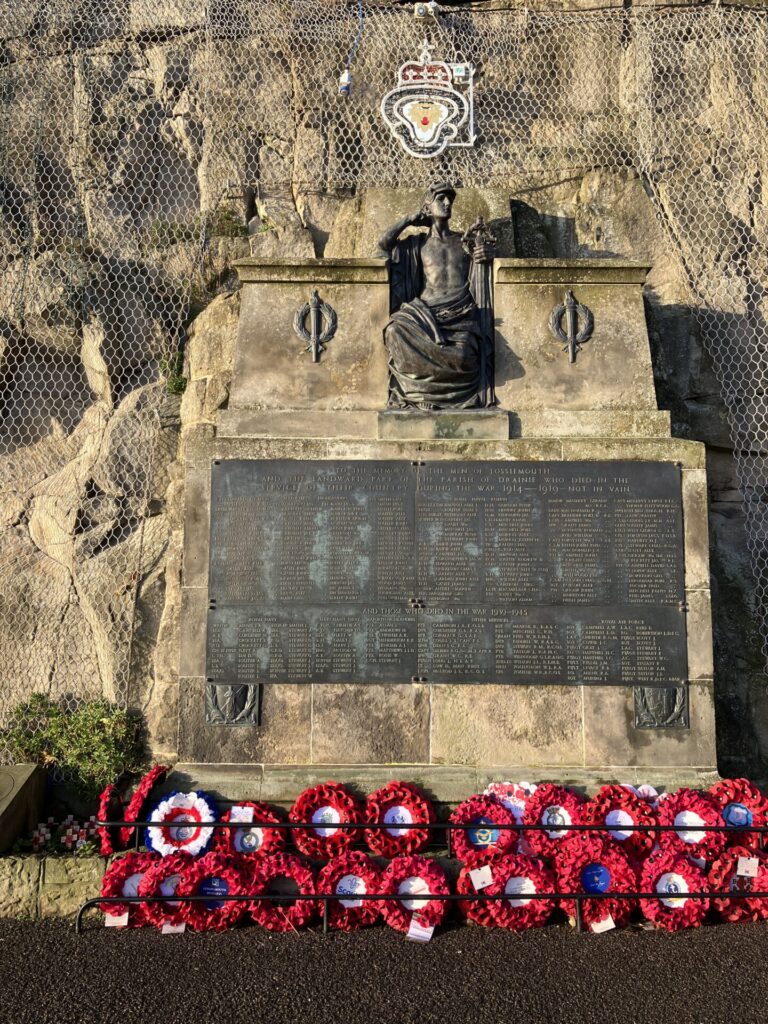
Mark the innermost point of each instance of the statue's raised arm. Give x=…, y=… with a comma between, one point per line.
x=439, y=345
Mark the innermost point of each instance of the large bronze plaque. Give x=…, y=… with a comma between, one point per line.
x=461, y=572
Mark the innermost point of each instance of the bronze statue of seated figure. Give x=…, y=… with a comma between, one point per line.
x=439, y=337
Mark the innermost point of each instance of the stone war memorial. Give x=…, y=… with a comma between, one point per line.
x=382, y=396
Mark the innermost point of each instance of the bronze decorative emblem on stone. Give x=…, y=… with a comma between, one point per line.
x=574, y=336
x=318, y=336
x=439, y=338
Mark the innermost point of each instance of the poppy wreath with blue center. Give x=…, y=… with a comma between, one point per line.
x=724, y=877
x=162, y=879
x=325, y=806
x=178, y=824
x=398, y=804
x=672, y=875
x=214, y=875
x=123, y=878
x=350, y=874
x=483, y=841
x=596, y=866
x=619, y=808
x=269, y=873
x=741, y=805
x=552, y=806
x=516, y=877
x=409, y=878
x=690, y=811
x=255, y=837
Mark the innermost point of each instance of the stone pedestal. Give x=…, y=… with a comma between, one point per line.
x=601, y=407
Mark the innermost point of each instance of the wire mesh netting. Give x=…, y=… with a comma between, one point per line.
x=133, y=133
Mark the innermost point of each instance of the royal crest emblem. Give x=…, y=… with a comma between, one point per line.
x=432, y=106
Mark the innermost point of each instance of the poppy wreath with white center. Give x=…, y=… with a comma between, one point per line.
x=619, y=808
x=162, y=879
x=269, y=913
x=668, y=872
x=514, y=796
x=256, y=833
x=325, y=805
x=220, y=875
x=123, y=878
x=177, y=824
x=690, y=811
x=594, y=865
x=515, y=876
x=552, y=806
x=478, y=911
x=409, y=877
x=740, y=803
x=350, y=873
x=110, y=802
x=140, y=796
x=482, y=842
x=396, y=803
x=723, y=877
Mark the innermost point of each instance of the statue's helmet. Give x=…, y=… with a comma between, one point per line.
x=440, y=188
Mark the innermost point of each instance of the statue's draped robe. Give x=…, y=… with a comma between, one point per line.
x=440, y=356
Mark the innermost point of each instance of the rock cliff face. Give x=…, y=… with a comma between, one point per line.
x=128, y=140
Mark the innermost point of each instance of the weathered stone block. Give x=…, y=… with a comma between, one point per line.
x=21, y=797
x=699, y=625
x=445, y=425
x=510, y=725
x=67, y=882
x=19, y=881
x=359, y=724
x=696, y=527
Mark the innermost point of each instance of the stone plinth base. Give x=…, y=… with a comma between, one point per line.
x=463, y=424
x=21, y=799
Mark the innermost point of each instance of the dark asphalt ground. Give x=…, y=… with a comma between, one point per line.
x=713, y=974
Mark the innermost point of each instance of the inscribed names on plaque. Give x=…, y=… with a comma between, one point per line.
x=461, y=572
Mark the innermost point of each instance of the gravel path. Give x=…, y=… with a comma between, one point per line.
x=714, y=974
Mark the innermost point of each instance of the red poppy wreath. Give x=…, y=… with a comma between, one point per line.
x=673, y=875
x=110, y=803
x=351, y=875
x=140, y=796
x=552, y=806
x=409, y=878
x=742, y=806
x=162, y=879
x=484, y=841
x=727, y=875
x=620, y=808
x=690, y=812
x=255, y=837
x=478, y=911
x=518, y=877
x=283, y=872
x=123, y=878
x=214, y=875
x=325, y=807
x=597, y=866
x=398, y=805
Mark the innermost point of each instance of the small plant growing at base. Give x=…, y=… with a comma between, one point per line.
x=93, y=745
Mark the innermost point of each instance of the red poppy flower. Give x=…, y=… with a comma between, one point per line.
x=690, y=812
x=136, y=803
x=518, y=876
x=162, y=879
x=398, y=804
x=326, y=805
x=552, y=806
x=724, y=877
x=741, y=804
x=214, y=874
x=479, y=911
x=620, y=809
x=255, y=837
x=271, y=873
x=674, y=875
x=123, y=878
x=484, y=841
x=594, y=865
x=351, y=873
x=409, y=878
